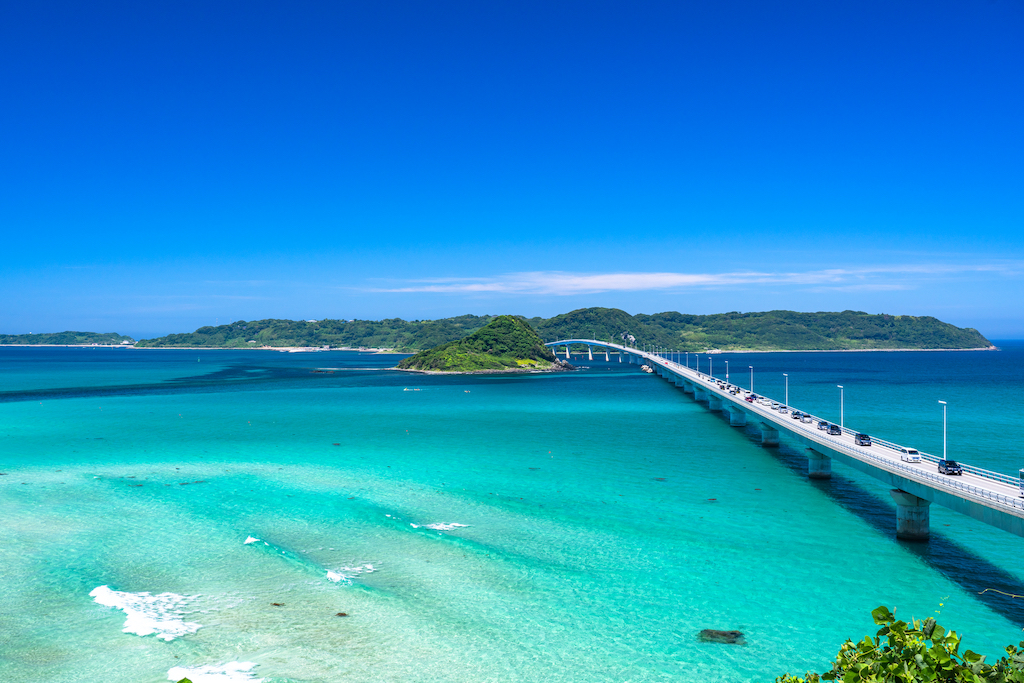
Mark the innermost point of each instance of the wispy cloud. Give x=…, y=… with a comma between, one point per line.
x=561, y=283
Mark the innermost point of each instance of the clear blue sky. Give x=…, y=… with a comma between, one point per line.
x=167, y=165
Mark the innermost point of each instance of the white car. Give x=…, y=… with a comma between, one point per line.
x=909, y=455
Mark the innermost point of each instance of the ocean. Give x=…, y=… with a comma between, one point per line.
x=210, y=514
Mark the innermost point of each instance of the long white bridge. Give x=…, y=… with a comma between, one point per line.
x=991, y=497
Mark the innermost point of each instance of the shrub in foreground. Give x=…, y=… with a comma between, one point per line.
x=918, y=652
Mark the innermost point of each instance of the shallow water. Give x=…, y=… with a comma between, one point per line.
x=607, y=518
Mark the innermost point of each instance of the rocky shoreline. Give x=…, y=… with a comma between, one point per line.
x=557, y=366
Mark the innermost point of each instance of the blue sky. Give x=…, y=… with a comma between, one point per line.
x=171, y=165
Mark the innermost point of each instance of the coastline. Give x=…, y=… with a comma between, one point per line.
x=313, y=349
x=502, y=371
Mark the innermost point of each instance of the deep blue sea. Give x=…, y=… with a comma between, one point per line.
x=210, y=513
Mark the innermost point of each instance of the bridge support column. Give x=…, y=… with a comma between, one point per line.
x=687, y=387
x=714, y=402
x=700, y=394
x=769, y=435
x=679, y=381
x=819, y=466
x=620, y=356
x=913, y=516
x=590, y=353
x=567, y=352
x=737, y=418
x=607, y=358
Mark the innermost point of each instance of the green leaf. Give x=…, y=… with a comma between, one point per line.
x=882, y=615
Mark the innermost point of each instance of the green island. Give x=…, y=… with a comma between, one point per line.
x=67, y=339
x=505, y=343
x=765, y=331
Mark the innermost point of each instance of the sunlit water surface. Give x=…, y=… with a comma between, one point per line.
x=211, y=513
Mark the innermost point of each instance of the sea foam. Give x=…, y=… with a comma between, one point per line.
x=440, y=526
x=346, y=574
x=147, y=614
x=232, y=672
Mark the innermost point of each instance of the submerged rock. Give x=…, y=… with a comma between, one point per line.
x=710, y=635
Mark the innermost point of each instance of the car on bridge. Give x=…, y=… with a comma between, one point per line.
x=835, y=430
x=823, y=424
x=784, y=409
x=909, y=454
x=796, y=415
x=950, y=467
x=862, y=440
x=806, y=419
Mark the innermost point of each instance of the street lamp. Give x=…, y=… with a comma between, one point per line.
x=842, y=424
x=726, y=372
x=751, y=378
x=711, y=367
x=787, y=387
x=943, y=429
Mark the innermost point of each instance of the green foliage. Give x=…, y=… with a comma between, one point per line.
x=919, y=652
x=393, y=333
x=498, y=345
x=772, y=330
x=58, y=338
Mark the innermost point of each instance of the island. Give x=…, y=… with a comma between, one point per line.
x=735, y=331
x=505, y=344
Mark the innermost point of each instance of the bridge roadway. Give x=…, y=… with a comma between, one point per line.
x=991, y=497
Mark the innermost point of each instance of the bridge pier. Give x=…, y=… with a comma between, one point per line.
x=737, y=417
x=819, y=465
x=620, y=356
x=913, y=516
x=566, y=352
x=714, y=402
x=687, y=387
x=700, y=394
x=769, y=435
x=590, y=352
x=607, y=358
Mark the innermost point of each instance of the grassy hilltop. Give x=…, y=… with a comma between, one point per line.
x=505, y=342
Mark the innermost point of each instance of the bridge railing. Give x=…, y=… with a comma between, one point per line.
x=897, y=448
x=991, y=475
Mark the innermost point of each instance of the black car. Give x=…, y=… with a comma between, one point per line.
x=796, y=415
x=823, y=425
x=835, y=430
x=950, y=467
x=862, y=440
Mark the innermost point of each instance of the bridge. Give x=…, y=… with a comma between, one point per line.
x=991, y=497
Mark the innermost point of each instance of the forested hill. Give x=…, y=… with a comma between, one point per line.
x=772, y=330
x=393, y=333
x=505, y=342
x=66, y=338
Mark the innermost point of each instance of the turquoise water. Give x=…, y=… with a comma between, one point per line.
x=606, y=518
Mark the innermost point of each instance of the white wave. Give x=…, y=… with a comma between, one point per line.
x=147, y=614
x=232, y=672
x=440, y=526
x=346, y=574
x=250, y=539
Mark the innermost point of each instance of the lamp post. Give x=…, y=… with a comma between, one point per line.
x=687, y=359
x=787, y=387
x=842, y=423
x=696, y=362
x=943, y=429
x=751, y=378
x=727, y=372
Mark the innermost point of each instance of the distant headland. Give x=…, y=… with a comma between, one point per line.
x=720, y=332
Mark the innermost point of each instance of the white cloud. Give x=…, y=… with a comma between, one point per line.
x=561, y=283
